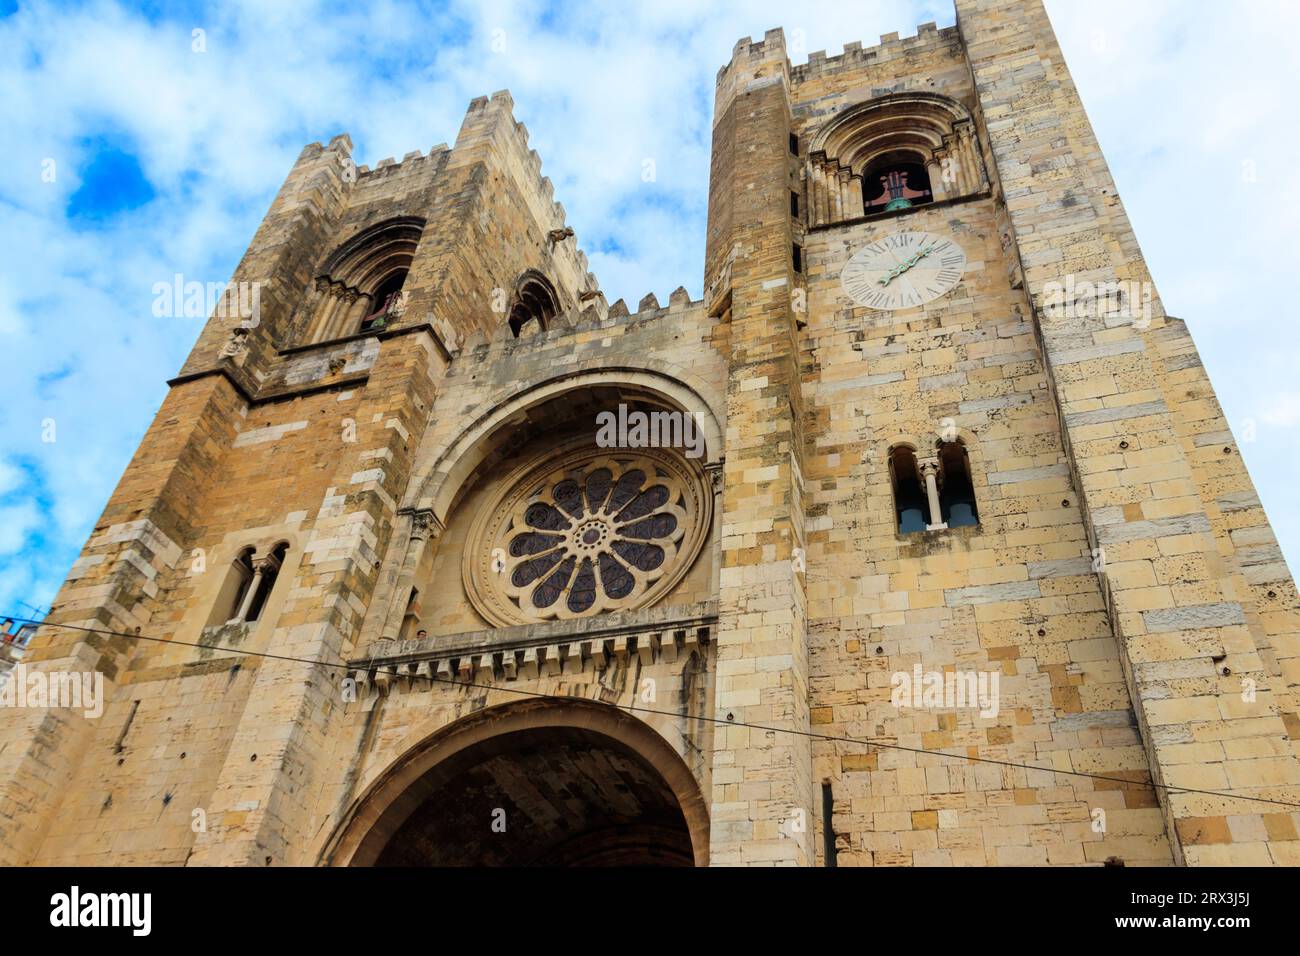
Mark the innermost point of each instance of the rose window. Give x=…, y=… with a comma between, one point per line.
x=591, y=532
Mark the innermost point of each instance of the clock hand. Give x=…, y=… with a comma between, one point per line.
x=902, y=267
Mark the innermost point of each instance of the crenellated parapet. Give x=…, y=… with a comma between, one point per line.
x=928, y=38
x=587, y=317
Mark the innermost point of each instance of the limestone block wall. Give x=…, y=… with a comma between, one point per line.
x=1016, y=596
x=762, y=785
x=1185, y=635
x=116, y=585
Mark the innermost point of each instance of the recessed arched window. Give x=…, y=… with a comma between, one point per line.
x=910, y=506
x=956, y=492
x=890, y=154
x=894, y=185
x=359, y=288
x=535, y=304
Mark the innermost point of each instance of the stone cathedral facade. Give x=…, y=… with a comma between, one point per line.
x=920, y=538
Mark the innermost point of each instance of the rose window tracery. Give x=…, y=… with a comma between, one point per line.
x=587, y=533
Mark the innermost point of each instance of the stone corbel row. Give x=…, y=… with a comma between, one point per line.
x=562, y=658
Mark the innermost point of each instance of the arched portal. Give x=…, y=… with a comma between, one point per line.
x=539, y=782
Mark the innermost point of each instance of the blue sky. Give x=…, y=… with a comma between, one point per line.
x=137, y=148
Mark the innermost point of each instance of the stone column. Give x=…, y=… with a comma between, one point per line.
x=714, y=471
x=833, y=191
x=846, y=210
x=333, y=300
x=956, y=163
x=930, y=472
x=425, y=528
x=934, y=169
x=348, y=320
x=259, y=566
x=316, y=312
x=855, y=195
x=365, y=305
x=818, y=199
x=970, y=161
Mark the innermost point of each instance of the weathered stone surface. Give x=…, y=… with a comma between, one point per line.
x=1119, y=589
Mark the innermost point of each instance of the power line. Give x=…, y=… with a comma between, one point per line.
x=831, y=738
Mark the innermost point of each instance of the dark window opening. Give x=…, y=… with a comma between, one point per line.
x=798, y=257
x=957, y=494
x=895, y=186
x=910, y=504
x=828, y=829
x=534, y=308
x=383, y=300
x=243, y=571
x=270, y=571
x=794, y=203
x=794, y=145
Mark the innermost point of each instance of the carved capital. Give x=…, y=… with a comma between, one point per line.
x=424, y=525
x=714, y=470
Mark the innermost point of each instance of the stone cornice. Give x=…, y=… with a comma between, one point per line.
x=652, y=634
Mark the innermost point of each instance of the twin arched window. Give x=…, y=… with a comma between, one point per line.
x=933, y=493
x=248, y=586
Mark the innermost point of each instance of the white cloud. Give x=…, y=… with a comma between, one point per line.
x=1180, y=100
x=17, y=522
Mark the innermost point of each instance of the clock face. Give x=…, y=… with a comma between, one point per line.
x=903, y=270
